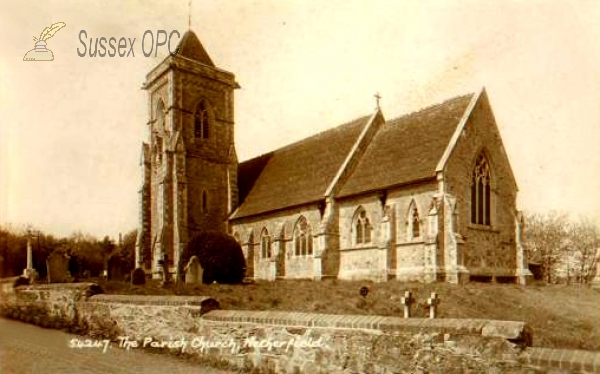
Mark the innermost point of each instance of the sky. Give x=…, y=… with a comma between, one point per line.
x=71, y=129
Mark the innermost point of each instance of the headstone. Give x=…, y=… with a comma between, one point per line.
x=138, y=277
x=407, y=300
x=115, y=269
x=193, y=271
x=74, y=268
x=58, y=268
x=433, y=302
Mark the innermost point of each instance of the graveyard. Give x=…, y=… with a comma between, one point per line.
x=561, y=316
x=474, y=326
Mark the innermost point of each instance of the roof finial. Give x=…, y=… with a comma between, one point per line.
x=377, y=98
x=189, y=14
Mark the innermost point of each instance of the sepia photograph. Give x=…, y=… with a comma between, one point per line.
x=299, y=186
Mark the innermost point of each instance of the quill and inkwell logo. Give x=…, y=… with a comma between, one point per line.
x=40, y=52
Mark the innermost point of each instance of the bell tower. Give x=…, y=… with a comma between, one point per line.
x=189, y=163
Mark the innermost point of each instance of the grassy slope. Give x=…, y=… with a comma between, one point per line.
x=561, y=316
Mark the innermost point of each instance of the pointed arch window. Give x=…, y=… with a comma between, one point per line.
x=201, y=122
x=303, y=244
x=160, y=117
x=362, y=227
x=481, y=192
x=265, y=244
x=413, y=221
x=416, y=227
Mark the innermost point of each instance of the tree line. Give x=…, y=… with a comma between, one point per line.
x=565, y=251
x=560, y=249
x=88, y=255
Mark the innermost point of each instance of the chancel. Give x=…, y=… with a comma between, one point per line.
x=429, y=196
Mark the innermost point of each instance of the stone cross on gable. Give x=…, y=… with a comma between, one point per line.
x=407, y=300
x=433, y=302
x=377, y=98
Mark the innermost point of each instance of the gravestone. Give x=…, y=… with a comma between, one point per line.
x=407, y=300
x=57, y=265
x=115, y=269
x=138, y=277
x=193, y=271
x=433, y=302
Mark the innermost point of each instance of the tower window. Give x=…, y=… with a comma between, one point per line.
x=481, y=192
x=201, y=123
x=160, y=116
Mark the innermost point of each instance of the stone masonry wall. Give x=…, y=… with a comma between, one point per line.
x=393, y=254
x=280, y=226
x=288, y=342
x=489, y=250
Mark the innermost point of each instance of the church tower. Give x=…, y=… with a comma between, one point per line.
x=189, y=163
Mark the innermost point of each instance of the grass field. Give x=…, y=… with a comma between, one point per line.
x=561, y=316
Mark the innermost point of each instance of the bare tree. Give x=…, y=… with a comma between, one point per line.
x=546, y=238
x=585, y=241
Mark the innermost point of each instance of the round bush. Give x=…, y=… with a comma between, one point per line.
x=220, y=256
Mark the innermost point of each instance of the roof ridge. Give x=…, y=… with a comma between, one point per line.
x=431, y=107
x=311, y=137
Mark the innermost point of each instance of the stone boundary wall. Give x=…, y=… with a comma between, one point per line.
x=291, y=342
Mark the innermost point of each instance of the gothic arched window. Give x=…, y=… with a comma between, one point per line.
x=481, y=192
x=160, y=116
x=265, y=244
x=413, y=221
x=302, y=238
x=362, y=227
x=416, y=229
x=201, y=122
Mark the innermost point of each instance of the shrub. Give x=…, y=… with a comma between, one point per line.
x=220, y=256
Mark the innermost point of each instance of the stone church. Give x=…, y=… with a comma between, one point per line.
x=429, y=196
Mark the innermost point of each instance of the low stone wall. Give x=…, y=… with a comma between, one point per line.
x=288, y=342
x=144, y=317
x=49, y=305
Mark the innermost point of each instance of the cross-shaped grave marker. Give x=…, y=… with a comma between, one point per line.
x=407, y=300
x=433, y=302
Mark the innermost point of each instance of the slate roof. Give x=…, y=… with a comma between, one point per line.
x=296, y=174
x=190, y=47
x=408, y=148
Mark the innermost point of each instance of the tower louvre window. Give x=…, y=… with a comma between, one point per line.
x=201, y=122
